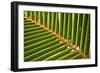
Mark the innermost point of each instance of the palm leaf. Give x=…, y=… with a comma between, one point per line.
x=56, y=36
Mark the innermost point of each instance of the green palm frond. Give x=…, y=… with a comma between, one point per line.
x=56, y=36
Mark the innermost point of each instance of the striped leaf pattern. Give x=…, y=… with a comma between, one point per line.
x=56, y=36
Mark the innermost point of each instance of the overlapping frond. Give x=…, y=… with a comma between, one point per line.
x=56, y=36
